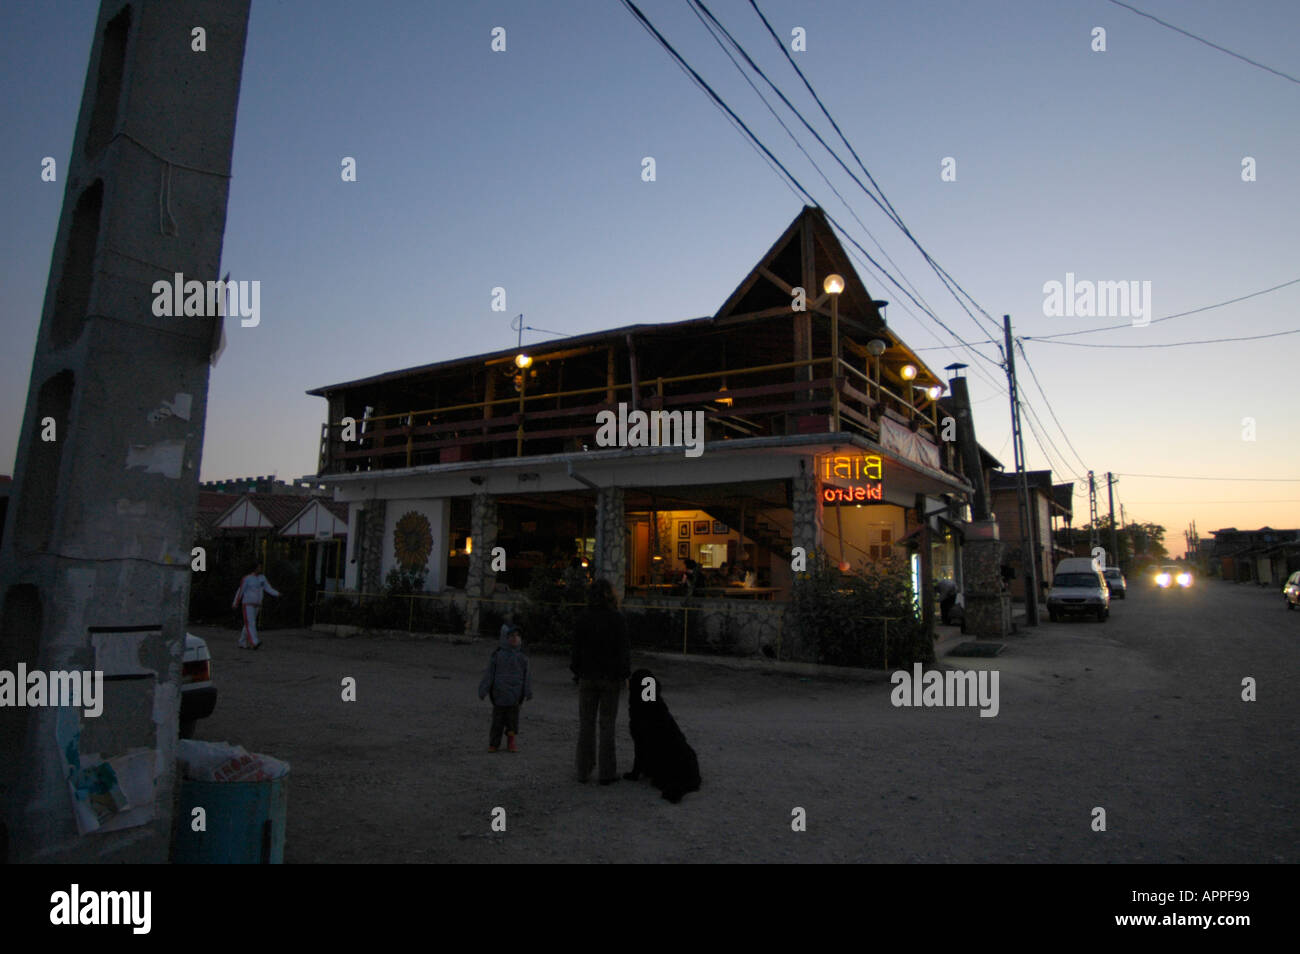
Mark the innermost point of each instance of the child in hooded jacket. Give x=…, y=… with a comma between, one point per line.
x=507, y=681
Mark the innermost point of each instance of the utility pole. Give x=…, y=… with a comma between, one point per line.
x=1022, y=485
x=95, y=566
x=1114, y=538
x=1092, y=512
x=1123, y=523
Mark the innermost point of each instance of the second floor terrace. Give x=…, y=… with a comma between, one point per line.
x=756, y=368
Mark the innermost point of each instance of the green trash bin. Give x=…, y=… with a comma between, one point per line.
x=244, y=822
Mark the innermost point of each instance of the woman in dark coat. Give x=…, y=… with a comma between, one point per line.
x=602, y=663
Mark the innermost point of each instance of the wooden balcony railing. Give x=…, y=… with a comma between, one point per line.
x=531, y=424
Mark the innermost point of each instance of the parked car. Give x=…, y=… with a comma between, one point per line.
x=1291, y=591
x=1078, y=588
x=198, y=694
x=1171, y=576
x=1116, y=583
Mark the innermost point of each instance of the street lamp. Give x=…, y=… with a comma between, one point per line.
x=522, y=360
x=833, y=285
x=908, y=372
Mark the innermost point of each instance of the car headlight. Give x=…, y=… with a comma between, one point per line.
x=1184, y=579
x=1162, y=579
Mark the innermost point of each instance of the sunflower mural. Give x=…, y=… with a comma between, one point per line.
x=412, y=540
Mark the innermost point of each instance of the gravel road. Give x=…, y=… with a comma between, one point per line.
x=1141, y=715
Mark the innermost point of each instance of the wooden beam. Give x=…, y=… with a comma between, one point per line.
x=776, y=280
x=549, y=356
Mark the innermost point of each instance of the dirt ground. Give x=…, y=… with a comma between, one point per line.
x=1141, y=715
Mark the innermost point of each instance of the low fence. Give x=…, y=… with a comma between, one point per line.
x=715, y=627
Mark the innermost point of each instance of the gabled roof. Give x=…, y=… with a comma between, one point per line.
x=806, y=253
x=317, y=515
x=262, y=511
x=212, y=504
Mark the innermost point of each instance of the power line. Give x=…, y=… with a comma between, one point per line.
x=1238, y=501
x=1034, y=374
x=699, y=80
x=1201, y=39
x=1156, y=321
x=1168, y=344
x=713, y=32
x=887, y=206
x=1264, y=480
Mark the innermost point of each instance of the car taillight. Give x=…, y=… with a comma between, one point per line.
x=200, y=671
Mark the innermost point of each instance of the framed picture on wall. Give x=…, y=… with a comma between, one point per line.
x=683, y=529
x=701, y=528
x=719, y=527
x=683, y=549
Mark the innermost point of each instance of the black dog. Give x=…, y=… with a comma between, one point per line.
x=662, y=752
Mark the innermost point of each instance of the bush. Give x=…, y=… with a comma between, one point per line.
x=836, y=615
x=405, y=580
x=550, y=612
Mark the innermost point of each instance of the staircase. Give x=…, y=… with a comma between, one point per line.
x=771, y=530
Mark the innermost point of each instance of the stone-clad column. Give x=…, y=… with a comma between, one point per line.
x=807, y=532
x=611, y=530
x=480, y=582
x=372, y=547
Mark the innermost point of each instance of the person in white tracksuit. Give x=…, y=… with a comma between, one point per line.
x=249, y=594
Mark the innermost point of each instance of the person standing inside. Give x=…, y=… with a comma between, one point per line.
x=602, y=663
x=507, y=681
x=249, y=594
x=946, y=590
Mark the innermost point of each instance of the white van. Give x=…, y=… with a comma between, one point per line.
x=1078, y=587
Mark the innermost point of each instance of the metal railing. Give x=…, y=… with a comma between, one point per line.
x=632, y=607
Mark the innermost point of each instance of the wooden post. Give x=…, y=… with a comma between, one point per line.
x=835, y=370
x=609, y=375
x=803, y=320
x=302, y=607
x=631, y=360
x=519, y=431
x=489, y=393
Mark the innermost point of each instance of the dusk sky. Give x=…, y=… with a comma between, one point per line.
x=522, y=169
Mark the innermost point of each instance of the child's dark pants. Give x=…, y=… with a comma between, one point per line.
x=503, y=717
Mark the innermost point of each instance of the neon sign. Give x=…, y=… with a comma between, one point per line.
x=863, y=473
x=856, y=494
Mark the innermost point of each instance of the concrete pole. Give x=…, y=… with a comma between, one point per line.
x=1114, y=536
x=95, y=569
x=1029, y=547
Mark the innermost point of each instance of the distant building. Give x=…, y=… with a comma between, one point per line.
x=264, y=485
x=1046, y=507
x=1265, y=556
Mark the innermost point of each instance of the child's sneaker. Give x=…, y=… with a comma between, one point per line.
x=510, y=743
x=492, y=748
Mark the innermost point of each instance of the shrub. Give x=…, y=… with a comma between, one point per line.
x=549, y=612
x=837, y=615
